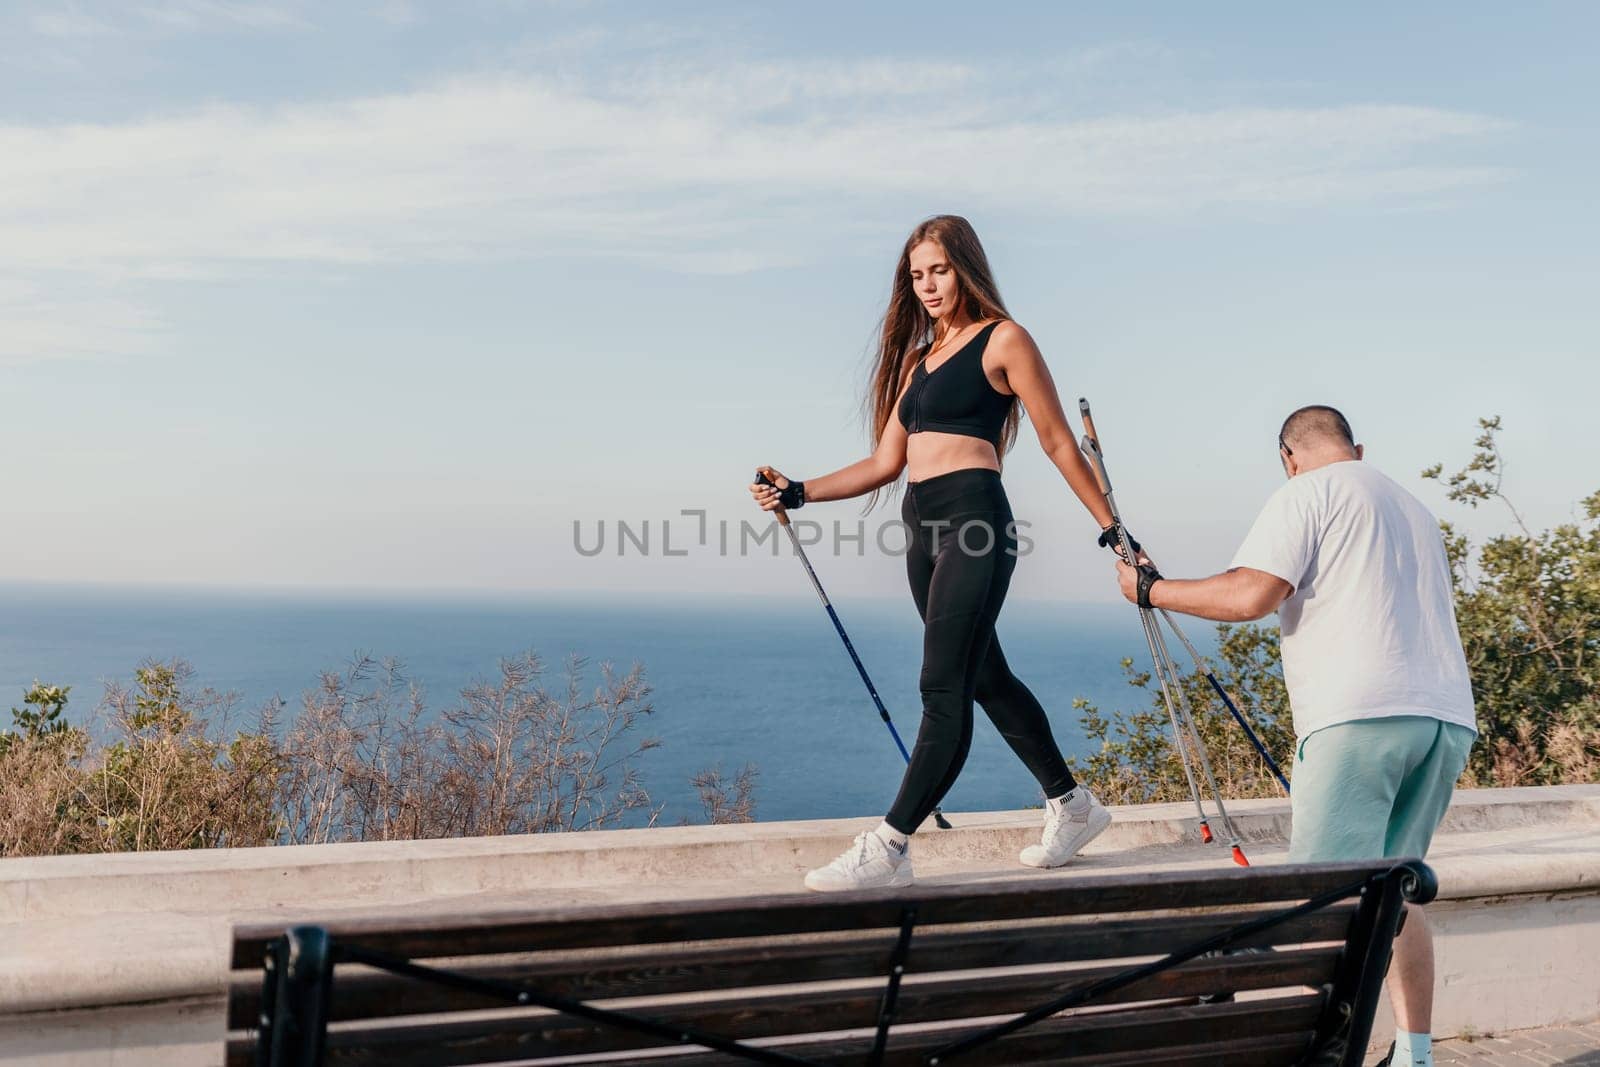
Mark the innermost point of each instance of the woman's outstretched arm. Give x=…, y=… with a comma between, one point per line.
x=1030, y=379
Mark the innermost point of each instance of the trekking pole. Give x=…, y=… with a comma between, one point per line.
x=1091, y=449
x=1167, y=686
x=1186, y=716
x=764, y=476
x=1227, y=701
x=1166, y=671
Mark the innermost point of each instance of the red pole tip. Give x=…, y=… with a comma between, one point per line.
x=1238, y=857
x=1205, y=833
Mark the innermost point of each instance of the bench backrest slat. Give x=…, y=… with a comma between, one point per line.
x=1074, y=1040
x=500, y=932
x=822, y=1010
x=667, y=968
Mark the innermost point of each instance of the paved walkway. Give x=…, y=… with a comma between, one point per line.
x=1569, y=1046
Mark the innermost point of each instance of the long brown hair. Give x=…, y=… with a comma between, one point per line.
x=907, y=332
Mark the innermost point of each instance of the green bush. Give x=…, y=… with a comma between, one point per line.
x=1528, y=605
x=1136, y=762
x=166, y=783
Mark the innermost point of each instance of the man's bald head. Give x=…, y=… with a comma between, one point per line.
x=1315, y=427
x=1315, y=436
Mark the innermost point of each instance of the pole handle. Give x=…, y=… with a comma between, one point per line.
x=1091, y=450
x=764, y=475
x=1088, y=422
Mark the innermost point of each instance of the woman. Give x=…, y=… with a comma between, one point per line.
x=951, y=368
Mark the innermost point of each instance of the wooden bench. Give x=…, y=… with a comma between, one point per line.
x=1046, y=969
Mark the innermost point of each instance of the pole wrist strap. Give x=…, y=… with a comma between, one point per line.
x=1148, y=577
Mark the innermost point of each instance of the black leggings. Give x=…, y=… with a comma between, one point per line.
x=961, y=555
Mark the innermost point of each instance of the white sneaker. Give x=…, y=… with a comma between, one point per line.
x=868, y=863
x=1067, y=831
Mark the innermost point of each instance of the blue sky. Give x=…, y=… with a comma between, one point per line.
x=387, y=295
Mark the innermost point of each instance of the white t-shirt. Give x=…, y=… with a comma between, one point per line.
x=1370, y=629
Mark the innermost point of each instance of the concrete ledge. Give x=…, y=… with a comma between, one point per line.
x=373, y=873
x=120, y=942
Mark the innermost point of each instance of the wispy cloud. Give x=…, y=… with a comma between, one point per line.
x=70, y=317
x=196, y=14
x=67, y=21
x=164, y=16
x=692, y=167
x=396, y=12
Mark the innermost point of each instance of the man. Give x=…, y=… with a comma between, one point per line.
x=1355, y=566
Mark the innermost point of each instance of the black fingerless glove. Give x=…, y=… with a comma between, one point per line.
x=791, y=496
x=1148, y=577
x=1111, y=537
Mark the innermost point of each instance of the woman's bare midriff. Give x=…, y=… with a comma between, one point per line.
x=931, y=453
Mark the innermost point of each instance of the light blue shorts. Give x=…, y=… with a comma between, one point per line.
x=1374, y=788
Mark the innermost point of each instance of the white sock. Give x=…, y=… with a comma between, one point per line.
x=1412, y=1050
x=1075, y=801
x=896, y=840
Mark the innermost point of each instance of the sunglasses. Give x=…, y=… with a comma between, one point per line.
x=1286, y=449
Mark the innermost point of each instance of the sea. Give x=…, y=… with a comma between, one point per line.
x=735, y=681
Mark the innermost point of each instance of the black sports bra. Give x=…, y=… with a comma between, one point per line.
x=957, y=397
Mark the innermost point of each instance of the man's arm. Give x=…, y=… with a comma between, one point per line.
x=1240, y=595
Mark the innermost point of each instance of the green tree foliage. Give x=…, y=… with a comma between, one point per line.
x=41, y=797
x=163, y=782
x=1136, y=762
x=39, y=718
x=1528, y=607
x=166, y=783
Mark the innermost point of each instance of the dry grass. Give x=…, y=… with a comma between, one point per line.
x=39, y=789
x=727, y=801
x=161, y=780
x=511, y=758
x=1565, y=751
x=362, y=761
